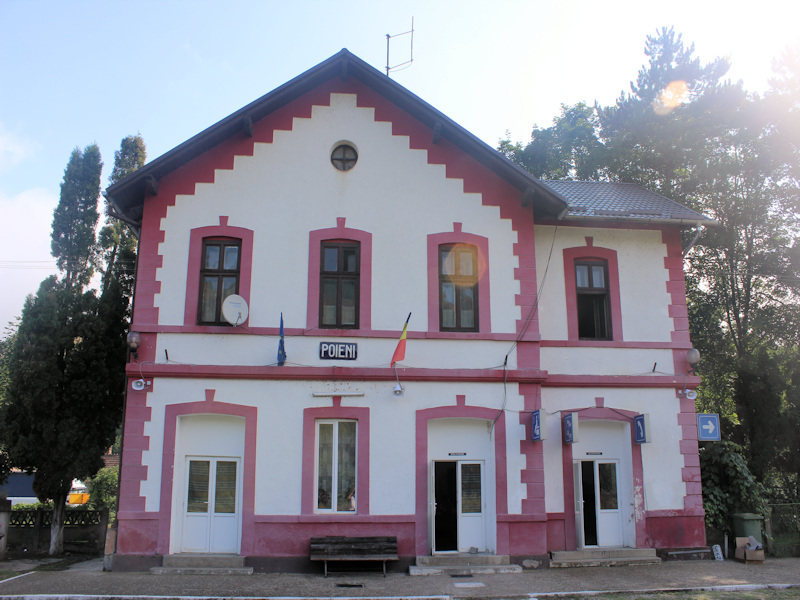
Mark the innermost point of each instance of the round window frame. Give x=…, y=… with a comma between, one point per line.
x=344, y=164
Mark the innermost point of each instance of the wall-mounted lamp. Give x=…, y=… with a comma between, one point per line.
x=692, y=357
x=134, y=340
x=398, y=389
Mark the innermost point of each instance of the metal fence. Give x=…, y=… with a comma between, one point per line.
x=84, y=530
x=783, y=529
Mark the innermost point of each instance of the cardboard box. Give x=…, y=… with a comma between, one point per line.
x=751, y=557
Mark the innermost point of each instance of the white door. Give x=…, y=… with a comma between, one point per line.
x=212, y=505
x=597, y=506
x=471, y=523
x=459, y=506
x=609, y=522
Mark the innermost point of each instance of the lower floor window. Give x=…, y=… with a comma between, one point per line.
x=336, y=466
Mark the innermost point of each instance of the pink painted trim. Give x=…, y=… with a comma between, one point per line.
x=196, y=238
x=467, y=239
x=340, y=232
x=310, y=418
x=606, y=414
x=172, y=412
x=331, y=373
x=334, y=518
x=459, y=411
x=591, y=253
x=374, y=333
x=677, y=345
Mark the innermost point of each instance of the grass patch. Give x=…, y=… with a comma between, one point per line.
x=8, y=574
x=789, y=594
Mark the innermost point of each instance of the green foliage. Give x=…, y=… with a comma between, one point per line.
x=103, y=489
x=65, y=392
x=116, y=241
x=75, y=218
x=685, y=133
x=728, y=485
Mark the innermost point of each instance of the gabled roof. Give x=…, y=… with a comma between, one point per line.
x=627, y=201
x=127, y=196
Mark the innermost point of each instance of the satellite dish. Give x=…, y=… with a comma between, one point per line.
x=138, y=384
x=234, y=309
x=691, y=394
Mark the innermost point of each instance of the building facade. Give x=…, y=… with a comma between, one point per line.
x=331, y=208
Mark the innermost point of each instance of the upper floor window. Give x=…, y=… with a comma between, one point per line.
x=592, y=295
x=339, y=285
x=458, y=287
x=219, y=278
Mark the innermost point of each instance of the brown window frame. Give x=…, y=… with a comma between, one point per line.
x=340, y=276
x=593, y=303
x=461, y=282
x=219, y=273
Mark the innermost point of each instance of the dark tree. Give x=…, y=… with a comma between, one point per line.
x=63, y=398
x=74, y=243
x=117, y=242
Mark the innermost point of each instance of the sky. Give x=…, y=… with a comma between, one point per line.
x=81, y=72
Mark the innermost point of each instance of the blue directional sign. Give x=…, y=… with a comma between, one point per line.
x=537, y=425
x=708, y=429
x=641, y=429
x=570, y=421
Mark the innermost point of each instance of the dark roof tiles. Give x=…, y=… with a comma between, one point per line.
x=610, y=200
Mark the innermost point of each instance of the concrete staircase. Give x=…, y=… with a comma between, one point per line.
x=605, y=557
x=203, y=564
x=463, y=564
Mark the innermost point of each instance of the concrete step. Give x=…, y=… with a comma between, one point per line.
x=462, y=558
x=463, y=564
x=203, y=564
x=200, y=571
x=604, y=557
x=416, y=571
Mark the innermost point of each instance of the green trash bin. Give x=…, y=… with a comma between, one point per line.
x=747, y=524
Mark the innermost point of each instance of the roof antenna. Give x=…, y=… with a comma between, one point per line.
x=407, y=63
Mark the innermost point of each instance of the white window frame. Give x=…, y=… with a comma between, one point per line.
x=334, y=467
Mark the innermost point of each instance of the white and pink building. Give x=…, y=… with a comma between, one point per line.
x=343, y=202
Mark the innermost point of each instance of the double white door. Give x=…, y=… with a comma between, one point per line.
x=459, y=506
x=212, y=508
x=598, y=518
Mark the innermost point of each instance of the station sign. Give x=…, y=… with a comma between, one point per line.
x=338, y=351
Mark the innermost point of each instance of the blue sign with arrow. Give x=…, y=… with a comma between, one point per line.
x=641, y=429
x=708, y=429
x=570, y=428
x=537, y=425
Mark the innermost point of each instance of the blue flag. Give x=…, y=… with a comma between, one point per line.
x=281, y=347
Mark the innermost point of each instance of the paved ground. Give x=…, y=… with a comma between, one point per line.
x=88, y=579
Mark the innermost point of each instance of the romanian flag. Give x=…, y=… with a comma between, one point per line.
x=281, y=347
x=400, y=351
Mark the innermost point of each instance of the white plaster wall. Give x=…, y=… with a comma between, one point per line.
x=607, y=361
x=662, y=460
x=280, y=429
x=644, y=300
x=288, y=188
x=250, y=350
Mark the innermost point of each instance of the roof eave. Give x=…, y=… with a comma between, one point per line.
x=129, y=193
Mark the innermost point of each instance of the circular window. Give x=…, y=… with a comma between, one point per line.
x=344, y=157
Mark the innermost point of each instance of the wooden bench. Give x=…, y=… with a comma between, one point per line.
x=354, y=549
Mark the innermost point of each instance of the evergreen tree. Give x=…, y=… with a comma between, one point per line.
x=117, y=242
x=64, y=389
x=63, y=399
x=74, y=242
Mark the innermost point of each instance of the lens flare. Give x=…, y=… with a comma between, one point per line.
x=671, y=97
